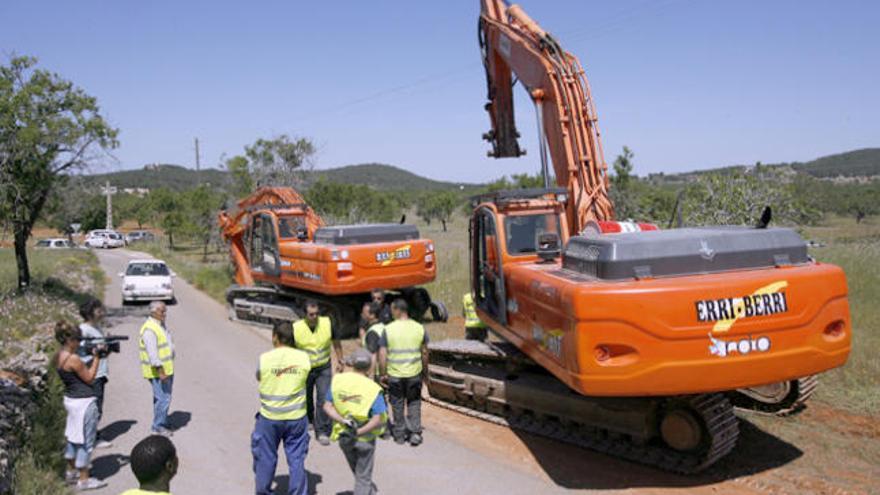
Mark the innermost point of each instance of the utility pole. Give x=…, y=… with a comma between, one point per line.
x=109, y=191
x=198, y=167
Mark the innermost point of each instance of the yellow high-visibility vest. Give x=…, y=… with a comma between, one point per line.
x=378, y=328
x=162, y=346
x=283, y=374
x=354, y=394
x=316, y=344
x=471, y=320
x=404, y=338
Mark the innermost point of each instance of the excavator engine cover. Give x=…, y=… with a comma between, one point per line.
x=343, y=235
x=687, y=251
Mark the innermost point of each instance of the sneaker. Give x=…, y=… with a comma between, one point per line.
x=90, y=484
x=324, y=440
x=399, y=440
x=71, y=476
x=415, y=439
x=103, y=444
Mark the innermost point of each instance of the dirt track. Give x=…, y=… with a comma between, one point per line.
x=214, y=405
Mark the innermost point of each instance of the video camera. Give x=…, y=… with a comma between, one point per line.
x=105, y=345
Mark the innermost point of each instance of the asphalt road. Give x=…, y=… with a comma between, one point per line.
x=213, y=407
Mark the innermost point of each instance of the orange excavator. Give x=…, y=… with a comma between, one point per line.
x=284, y=255
x=618, y=336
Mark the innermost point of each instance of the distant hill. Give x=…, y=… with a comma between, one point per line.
x=858, y=163
x=852, y=164
x=173, y=177
x=375, y=175
x=382, y=176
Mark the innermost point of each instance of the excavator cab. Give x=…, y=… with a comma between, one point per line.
x=264, y=254
x=507, y=227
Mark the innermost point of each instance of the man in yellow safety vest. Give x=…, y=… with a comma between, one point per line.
x=357, y=406
x=402, y=360
x=157, y=364
x=314, y=335
x=282, y=373
x=474, y=328
x=154, y=462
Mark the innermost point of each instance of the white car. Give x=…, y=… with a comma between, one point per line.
x=56, y=243
x=147, y=280
x=104, y=239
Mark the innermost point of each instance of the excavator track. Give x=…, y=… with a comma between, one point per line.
x=777, y=399
x=636, y=429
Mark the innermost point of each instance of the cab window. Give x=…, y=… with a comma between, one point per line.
x=289, y=226
x=522, y=231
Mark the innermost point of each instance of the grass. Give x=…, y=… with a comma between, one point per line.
x=855, y=248
x=212, y=277
x=61, y=280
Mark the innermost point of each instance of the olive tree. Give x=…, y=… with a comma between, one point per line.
x=48, y=128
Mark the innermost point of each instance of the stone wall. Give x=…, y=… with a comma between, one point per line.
x=23, y=376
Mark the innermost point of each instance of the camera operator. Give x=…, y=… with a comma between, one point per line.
x=92, y=311
x=79, y=402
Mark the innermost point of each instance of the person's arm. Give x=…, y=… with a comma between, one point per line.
x=372, y=424
x=337, y=350
x=330, y=409
x=376, y=411
x=383, y=356
x=85, y=374
x=332, y=413
x=425, y=355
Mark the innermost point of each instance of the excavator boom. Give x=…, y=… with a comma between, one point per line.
x=512, y=43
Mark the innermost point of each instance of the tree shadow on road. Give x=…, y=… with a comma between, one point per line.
x=573, y=467
x=116, y=429
x=107, y=465
x=283, y=480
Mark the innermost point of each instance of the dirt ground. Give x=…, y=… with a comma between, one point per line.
x=821, y=450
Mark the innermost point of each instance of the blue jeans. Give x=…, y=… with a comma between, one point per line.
x=267, y=435
x=81, y=453
x=161, y=402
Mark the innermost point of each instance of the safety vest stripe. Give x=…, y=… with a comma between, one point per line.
x=162, y=346
x=323, y=351
x=163, y=359
x=282, y=398
x=403, y=351
x=284, y=409
x=405, y=360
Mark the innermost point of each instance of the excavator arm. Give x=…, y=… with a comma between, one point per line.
x=234, y=225
x=513, y=44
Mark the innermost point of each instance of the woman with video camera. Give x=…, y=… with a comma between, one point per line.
x=80, y=404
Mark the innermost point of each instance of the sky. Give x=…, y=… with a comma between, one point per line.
x=686, y=84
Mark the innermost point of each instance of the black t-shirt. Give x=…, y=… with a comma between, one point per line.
x=372, y=342
x=385, y=314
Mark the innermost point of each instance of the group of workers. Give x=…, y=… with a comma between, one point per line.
x=302, y=382
x=299, y=386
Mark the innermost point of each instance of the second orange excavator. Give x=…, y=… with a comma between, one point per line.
x=618, y=336
x=284, y=255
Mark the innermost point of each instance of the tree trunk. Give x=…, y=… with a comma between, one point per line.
x=443, y=221
x=170, y=241
x=205, y=251
x=24, y=272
